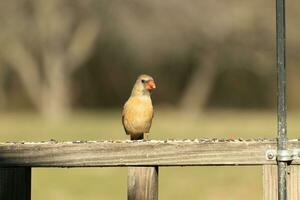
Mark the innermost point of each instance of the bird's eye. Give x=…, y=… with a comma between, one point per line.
x=143, y=81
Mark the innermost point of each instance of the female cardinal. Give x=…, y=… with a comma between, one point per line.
x=138, y=110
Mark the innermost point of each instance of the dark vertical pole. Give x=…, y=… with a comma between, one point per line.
x=142, y=181
x=15, y=183
x=281, y=96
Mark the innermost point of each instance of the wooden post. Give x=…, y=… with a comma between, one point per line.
x=142, y=181
x=293, y=182
x=15, y=183
x=270, y=184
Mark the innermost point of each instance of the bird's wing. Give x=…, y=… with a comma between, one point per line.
x=150, y=122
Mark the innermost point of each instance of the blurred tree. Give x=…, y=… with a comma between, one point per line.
x=45, y=42
x=202, y=54
x=201, y=82
x=160, y=31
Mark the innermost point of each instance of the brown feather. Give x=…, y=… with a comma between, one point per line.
x=137, y=115
x=137, y=112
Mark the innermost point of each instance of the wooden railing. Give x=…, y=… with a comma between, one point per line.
x=143, y=159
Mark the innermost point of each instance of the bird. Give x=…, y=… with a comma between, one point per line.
x=137, y=111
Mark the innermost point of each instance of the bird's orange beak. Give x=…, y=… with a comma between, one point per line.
x=150, y=85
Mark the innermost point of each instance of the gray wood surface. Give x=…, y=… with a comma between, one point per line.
x=15, y=183
x=139, y=153
x=142, y=182
x=294, y=182
x=270, y=184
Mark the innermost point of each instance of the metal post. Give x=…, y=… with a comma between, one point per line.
x=281, y=97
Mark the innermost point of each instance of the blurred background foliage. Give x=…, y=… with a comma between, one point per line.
x=61, y=55
x=77, y=60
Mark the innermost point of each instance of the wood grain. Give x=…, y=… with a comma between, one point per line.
x=270, y=184
x=293, y=182
x=142, y=182
x=15, y=183
x=139, y=153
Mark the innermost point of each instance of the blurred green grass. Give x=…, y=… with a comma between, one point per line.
x=206, y=183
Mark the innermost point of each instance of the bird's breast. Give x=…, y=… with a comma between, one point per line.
x=138, y=113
